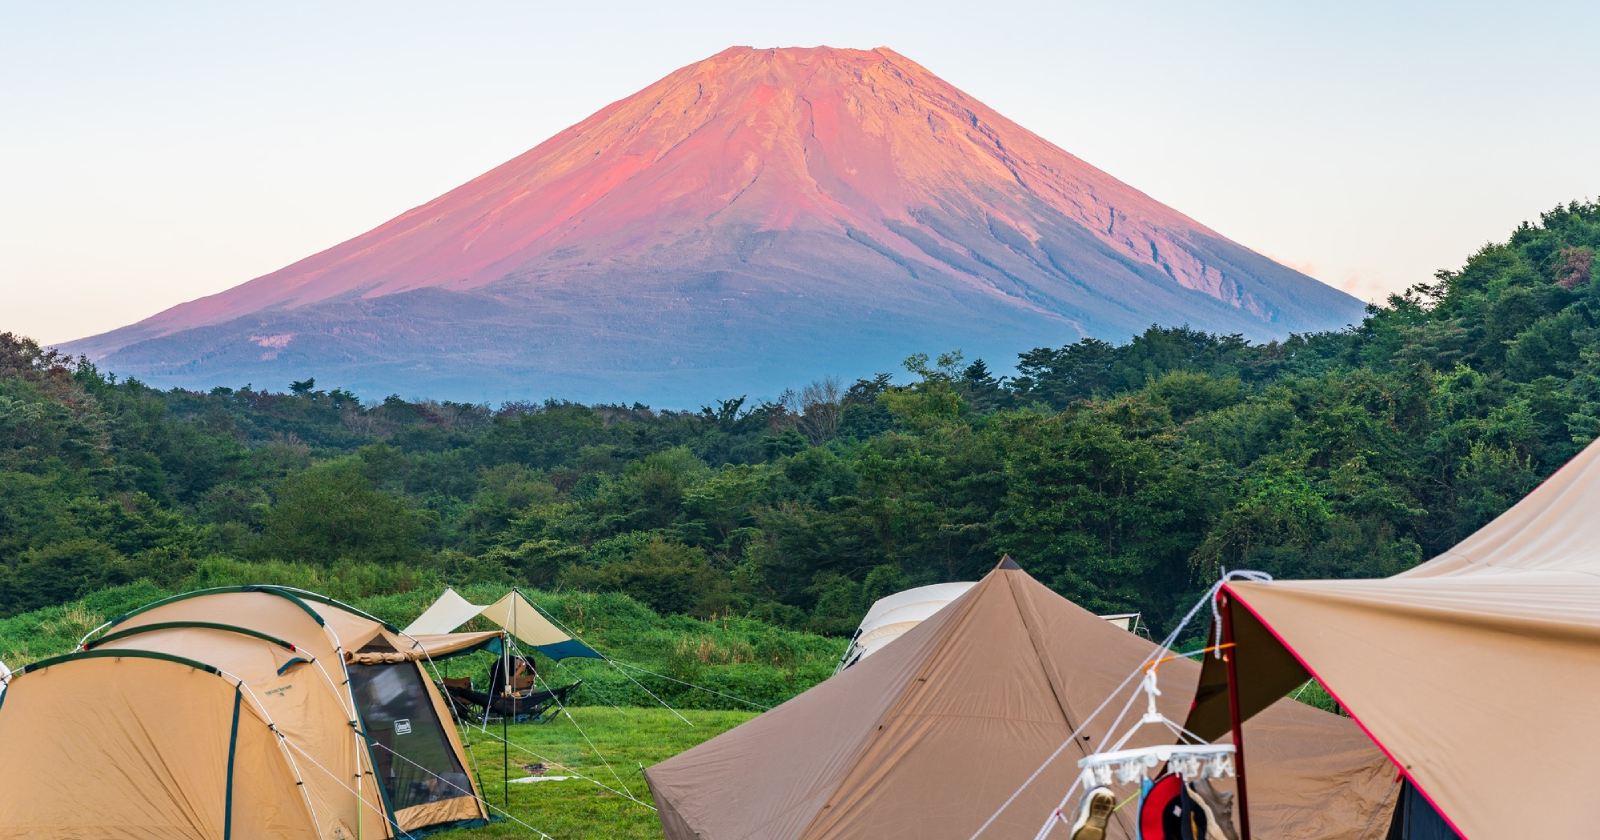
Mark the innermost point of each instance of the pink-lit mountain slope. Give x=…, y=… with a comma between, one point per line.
x=755, y=219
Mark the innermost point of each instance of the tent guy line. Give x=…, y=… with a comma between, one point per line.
x=1150, y=664
x=336, y=780
x=749, y=703
x=539, y=679
x=1216, y=610
x=559, y=765
x=486, y=803
x=1164, y=647
x=613, y=663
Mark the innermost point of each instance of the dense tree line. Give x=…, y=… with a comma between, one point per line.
x=1124, y=476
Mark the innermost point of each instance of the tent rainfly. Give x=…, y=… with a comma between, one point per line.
x=928, y=737
x=1474, y=671
x=512, y=612
x=243, y=713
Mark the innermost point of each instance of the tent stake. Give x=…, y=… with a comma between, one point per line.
x=1229, y=653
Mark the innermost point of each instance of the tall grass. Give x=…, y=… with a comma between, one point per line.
x=739, y=657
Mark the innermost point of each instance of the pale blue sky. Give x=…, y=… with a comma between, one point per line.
x=155, y=152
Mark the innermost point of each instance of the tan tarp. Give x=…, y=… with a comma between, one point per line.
x=289, y=652
x=520, y=619
x=512, y=612
x=433, y=646
x=929, y=736
x=1477, y=671
x=445, y=614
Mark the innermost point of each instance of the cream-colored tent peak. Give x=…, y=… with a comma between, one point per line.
x=512, y=612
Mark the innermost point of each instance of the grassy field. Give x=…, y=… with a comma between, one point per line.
x=739, y=657
x=629, y=739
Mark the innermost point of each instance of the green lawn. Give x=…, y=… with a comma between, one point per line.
x=629, y=738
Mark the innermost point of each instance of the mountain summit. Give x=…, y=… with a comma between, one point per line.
x=750, y=221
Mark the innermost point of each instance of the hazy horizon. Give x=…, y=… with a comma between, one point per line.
x=159, y=154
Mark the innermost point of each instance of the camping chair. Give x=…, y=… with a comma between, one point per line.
x=520, y=706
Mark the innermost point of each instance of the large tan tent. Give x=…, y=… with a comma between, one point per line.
x=247, y=712
x=1476, y=671
x=927, y=738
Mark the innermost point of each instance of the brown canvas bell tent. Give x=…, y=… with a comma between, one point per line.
x=927, y=738
x=237, y=713
x=1475, y=671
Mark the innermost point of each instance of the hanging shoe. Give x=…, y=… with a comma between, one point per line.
x=1094, y=814
x=1217, y=805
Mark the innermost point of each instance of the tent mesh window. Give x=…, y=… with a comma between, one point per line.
x=412, y=755
x=1416, y=819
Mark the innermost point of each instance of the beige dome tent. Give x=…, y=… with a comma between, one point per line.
x=1475, y=671
x=236, y=713
x=928, y=738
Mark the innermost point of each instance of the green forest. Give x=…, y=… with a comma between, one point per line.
x=1123, y=476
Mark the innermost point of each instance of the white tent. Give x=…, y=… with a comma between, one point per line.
x=1129, y=621
x=5, y=677
x=892, y=615
x=512, y=612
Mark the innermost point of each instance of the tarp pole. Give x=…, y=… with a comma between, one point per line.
x=505, y=726
x=1229, y=653
x=505, y=762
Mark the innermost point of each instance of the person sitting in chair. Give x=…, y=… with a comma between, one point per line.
x=523, y=676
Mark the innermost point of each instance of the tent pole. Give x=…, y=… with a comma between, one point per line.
x=505, y=726
x=1228, y=656
x=505, y=762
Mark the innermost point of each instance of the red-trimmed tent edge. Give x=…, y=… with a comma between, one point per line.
x=1243, y=616
x=1473, y=672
